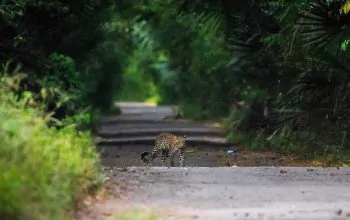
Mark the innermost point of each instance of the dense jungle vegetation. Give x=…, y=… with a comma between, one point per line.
x=277, y=73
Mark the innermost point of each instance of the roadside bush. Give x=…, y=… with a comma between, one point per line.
x=44, y=170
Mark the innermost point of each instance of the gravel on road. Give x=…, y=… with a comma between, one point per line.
x=241, y=192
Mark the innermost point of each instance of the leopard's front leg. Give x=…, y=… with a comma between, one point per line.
x=165, y=155
x=182, y=157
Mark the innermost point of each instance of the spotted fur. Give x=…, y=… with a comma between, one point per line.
x=168, y=144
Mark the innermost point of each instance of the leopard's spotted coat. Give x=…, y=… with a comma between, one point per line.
x=168, y=144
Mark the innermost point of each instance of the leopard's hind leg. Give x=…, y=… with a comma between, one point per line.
x=154, y=154
x=172, y=156
x=165, y=155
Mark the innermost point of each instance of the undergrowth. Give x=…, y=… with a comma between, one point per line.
x=45, y=170
x=300, y=146
x=303, y=145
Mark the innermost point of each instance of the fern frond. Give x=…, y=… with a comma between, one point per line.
x=322, y=23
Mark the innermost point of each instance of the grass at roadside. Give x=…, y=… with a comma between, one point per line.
x=44, y=171
x=136, y=214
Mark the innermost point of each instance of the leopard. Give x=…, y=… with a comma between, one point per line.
x=168, y=144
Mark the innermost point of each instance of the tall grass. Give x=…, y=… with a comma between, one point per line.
x=43, y=170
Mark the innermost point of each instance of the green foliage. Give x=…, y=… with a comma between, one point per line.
x=186, y=69
x=44, y=170
x=137, y=82
x=58, y=44
x=345, y=45
x=61, y=84
x=303, y=145
x=83, y=120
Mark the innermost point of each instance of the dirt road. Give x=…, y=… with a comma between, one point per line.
x=124, y=137
x=213, y=191
x=242, y=192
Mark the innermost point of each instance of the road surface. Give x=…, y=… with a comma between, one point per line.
x=123, y=138
x=212, y=191
x=223, y=193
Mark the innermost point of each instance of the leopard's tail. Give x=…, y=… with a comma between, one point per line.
x=143, y=157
